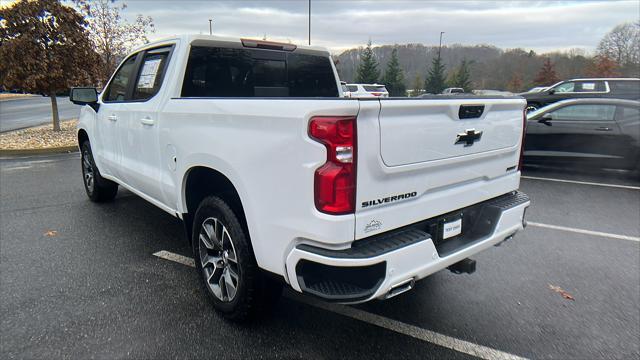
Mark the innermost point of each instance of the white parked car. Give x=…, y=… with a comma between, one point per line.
x=452, y=91
x=365, y=90
x=280, y=180
x=486, y=92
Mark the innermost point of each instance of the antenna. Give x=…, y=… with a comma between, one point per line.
x=309, y=22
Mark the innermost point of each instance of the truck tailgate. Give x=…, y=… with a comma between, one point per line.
x=420, y=158
x=414, y=131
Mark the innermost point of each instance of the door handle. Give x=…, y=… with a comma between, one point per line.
x=112, y=118
x=603, y=128
x=147, y=121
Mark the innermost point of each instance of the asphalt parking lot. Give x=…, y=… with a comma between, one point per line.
x=79, y=280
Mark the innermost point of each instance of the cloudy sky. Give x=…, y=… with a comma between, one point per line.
x=340, y=24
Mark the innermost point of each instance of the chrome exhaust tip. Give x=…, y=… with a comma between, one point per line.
x=400, y=288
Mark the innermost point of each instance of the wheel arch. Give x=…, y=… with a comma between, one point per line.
x=202, y=181
x=82, y=136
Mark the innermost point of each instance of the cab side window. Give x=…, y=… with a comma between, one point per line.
x=564, y=87
x=590, y=86
x=151, y=73
x=585, y=112
x=117, y=90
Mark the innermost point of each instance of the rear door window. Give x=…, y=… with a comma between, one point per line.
x=352, y=88
x=225, y=72
x=590, y=86
x=625, y=86
x=151, y=73
x=629, y=114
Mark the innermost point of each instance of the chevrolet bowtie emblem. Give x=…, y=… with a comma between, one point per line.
x=468, y=137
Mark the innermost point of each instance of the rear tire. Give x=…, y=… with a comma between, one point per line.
x=226, y=265
x=98, y=188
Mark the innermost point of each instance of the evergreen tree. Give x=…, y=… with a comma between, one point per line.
x=547, y=74
x=368, y=72
x=462, y=77
x=417, y=86
x=435, y=81
x=394, y=76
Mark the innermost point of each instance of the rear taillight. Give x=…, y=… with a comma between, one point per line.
x=335, y=180
x=524, y=132
x=376, y=93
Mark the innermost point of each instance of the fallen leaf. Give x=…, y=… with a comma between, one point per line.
x=51, y=233
x=562, y=292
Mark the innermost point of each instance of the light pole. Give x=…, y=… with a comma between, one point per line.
x=309, y=22
x=210, y=32
x=440, y=47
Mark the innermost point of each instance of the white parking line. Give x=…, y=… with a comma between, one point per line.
x=586, y=232
x=629, y=187
x=15, y=168
x=184, y=260
x=419, y=333
x=435, y=338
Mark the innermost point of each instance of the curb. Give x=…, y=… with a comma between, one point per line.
x=56, y=150
x=17, y=97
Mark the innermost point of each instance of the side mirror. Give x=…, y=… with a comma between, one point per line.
x=551, y=92
x=546, y=119
x=83, y=95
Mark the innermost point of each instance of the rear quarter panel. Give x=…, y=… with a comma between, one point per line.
x=262, y=146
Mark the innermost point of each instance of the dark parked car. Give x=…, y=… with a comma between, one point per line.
x=602, y=133
x=627, y=88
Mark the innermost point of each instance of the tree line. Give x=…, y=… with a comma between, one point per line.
x=422, y=69
x=46, y=46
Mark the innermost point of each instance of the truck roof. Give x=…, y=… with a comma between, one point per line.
x=600, y=79
x=190, y=38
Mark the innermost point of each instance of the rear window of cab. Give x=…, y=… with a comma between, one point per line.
x=229, y=72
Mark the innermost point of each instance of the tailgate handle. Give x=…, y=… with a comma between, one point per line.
x=470, y=111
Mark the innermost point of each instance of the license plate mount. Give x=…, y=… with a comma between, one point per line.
x=451, y=227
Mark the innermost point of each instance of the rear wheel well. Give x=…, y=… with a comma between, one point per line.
x=82, y=136
x=202, y=182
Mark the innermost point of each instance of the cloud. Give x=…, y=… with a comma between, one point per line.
x=537, y=25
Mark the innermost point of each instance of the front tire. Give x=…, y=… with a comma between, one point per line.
x=98, y=189
x=225, y=262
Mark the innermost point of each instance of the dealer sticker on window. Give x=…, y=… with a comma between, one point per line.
x=452, y=229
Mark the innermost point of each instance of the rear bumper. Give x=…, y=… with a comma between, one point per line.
x=376, y=267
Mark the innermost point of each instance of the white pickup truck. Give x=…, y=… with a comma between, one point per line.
x=281, y=180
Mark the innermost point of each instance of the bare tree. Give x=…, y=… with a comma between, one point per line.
x=112, y=35
x=602, y=66
x=622, y=44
